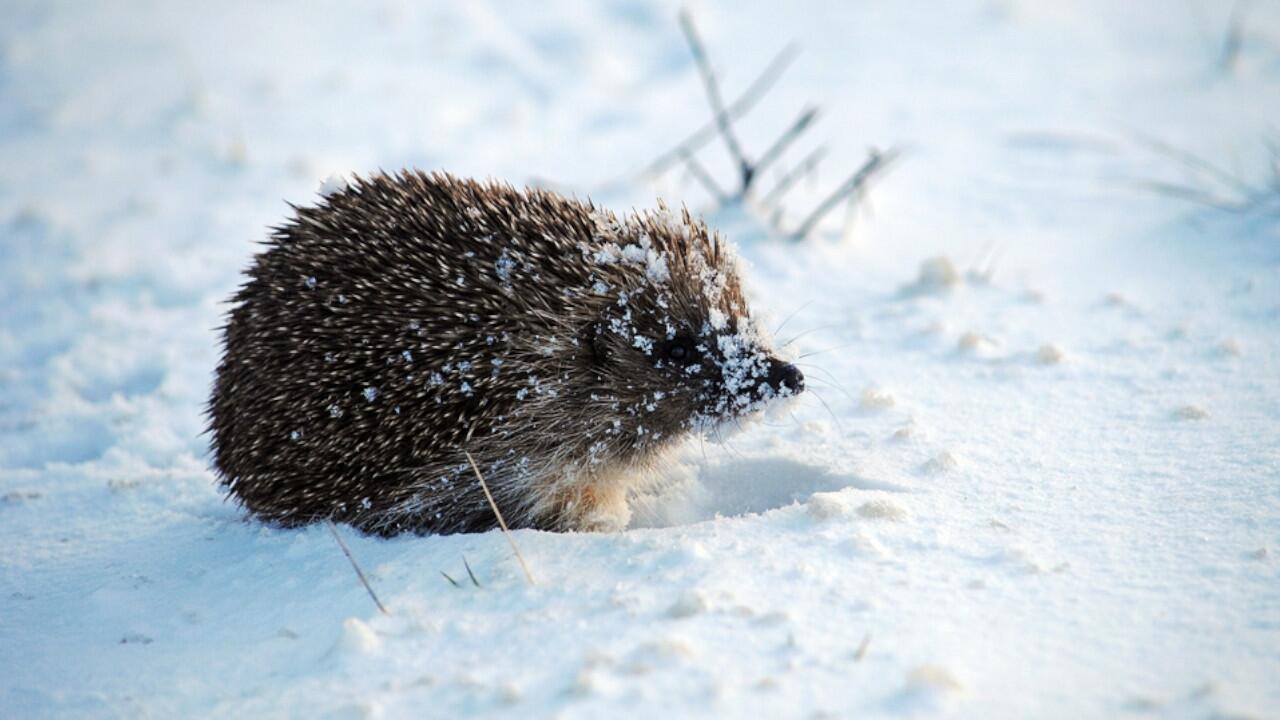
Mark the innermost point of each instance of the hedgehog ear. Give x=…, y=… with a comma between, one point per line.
x=594, y=340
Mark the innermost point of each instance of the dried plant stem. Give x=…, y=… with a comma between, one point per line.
x=1196, y=164
x=1232, y=39
x=784, y=140
x=748, y=170
x=747, y=100
x=355, y=566
x=472, y=575
x=1211, y=184
x=700, y=173
x=712, y=87
x=861, y=652
x=856, y=184
x=806, y=166
x=498, y=514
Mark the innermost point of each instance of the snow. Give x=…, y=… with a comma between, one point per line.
x=332, y=185
x=1036, y=471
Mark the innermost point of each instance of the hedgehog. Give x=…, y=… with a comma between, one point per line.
x=411, y=322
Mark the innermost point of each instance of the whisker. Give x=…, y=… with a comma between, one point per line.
x=831, y=349
x=811, y=330
x=787, y=319
x=829, y=380
x=725, y=443
x=828, y=383
x=738, y=422
x=836, y=420
x=818, y=368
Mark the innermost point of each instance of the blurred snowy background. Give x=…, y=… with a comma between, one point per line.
x=1039, y=476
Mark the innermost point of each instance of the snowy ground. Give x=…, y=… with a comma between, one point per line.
x=1050, y=488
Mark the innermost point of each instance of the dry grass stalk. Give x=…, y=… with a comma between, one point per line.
x=861, y=652
x=356, y=566
x=501, y=522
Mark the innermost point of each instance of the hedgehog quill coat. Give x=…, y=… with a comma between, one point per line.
x=410, y=318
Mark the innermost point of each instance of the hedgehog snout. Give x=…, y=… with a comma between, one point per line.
x=785, y=377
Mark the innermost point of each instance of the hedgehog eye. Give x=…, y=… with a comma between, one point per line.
x=680, y=348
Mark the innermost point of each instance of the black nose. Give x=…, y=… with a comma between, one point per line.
x=785, y=375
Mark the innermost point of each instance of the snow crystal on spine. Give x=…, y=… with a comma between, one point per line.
x=333, y=185
x=640, y=253
x=504, y=266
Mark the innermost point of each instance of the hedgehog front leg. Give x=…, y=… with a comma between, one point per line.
x=598, y=505
x=606, y=509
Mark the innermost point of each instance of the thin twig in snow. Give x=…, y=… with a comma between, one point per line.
x=861, y=652
x=1213, y=186
x=875, y=164
x=498, y=514
x=747, y=100
x=356, y=566
x=700, y=173
x=1232, y=39
x=748, y=171
x=787, y=137
x=1196, y=163
x=467, y=565
x=807, y=165
x=712, y=87
x=1190, y=194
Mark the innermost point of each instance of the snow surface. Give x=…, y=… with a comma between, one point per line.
x=1043, y=479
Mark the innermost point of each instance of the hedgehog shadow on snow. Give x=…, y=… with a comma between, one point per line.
x=738, y=487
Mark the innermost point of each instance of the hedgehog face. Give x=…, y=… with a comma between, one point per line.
x=674, y=341
x=686, y=373
x=724, y=373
